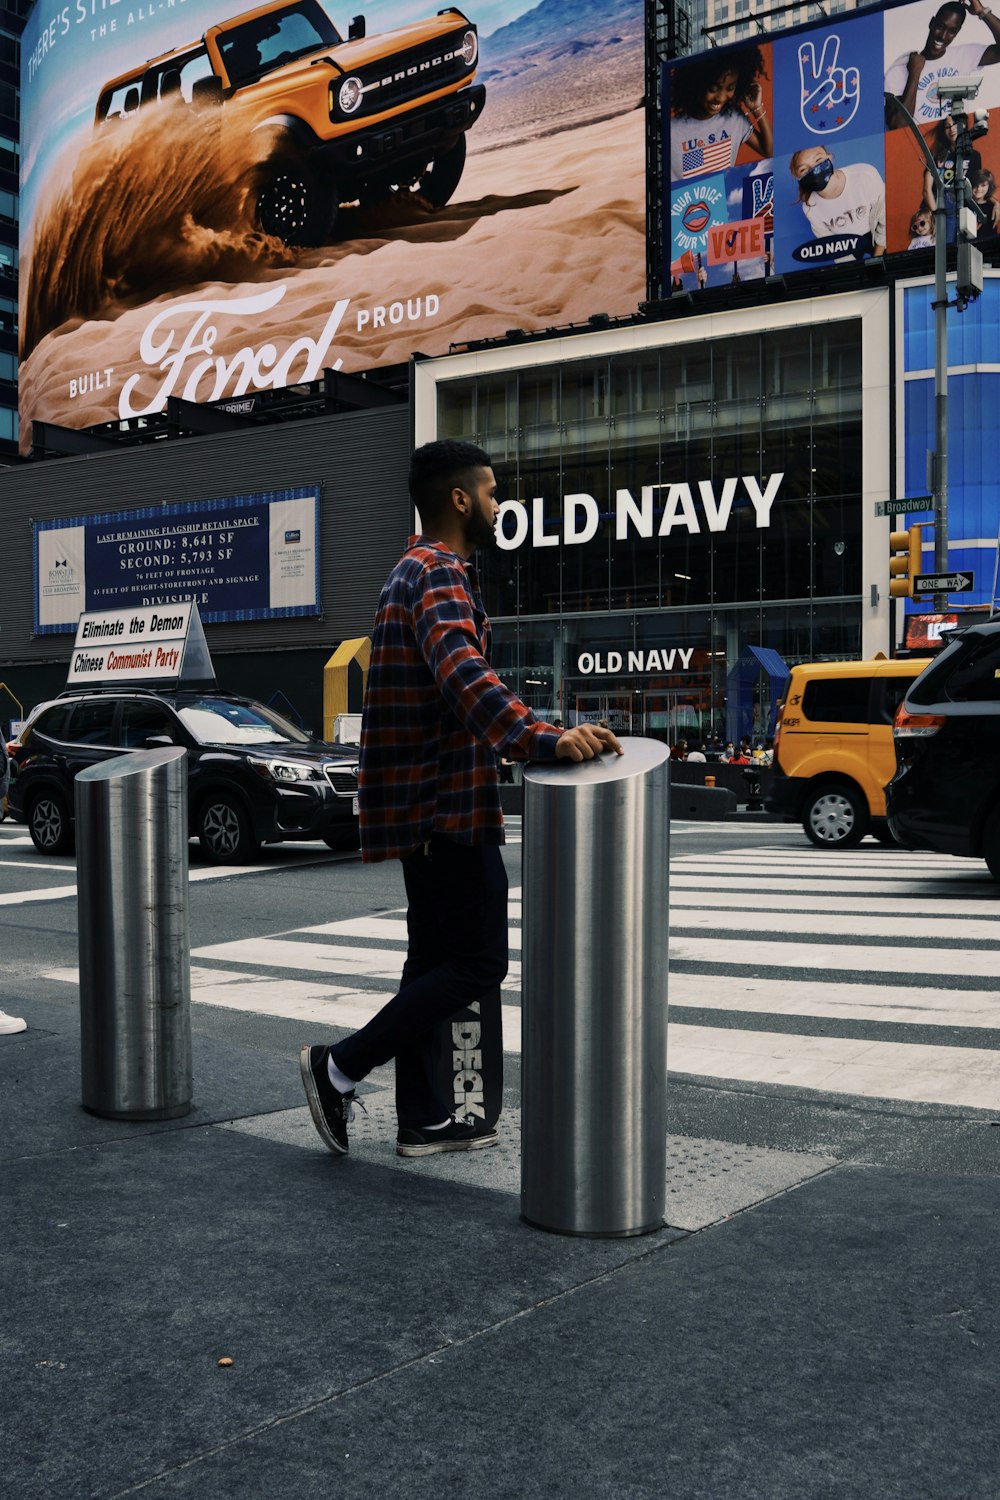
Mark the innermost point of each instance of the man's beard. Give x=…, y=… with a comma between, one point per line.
x=482, y=532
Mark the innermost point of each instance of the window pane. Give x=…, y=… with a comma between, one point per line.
x=140, y=720
x=52, y=721
x=839, y=700
x=978, y=678
x=90, y=723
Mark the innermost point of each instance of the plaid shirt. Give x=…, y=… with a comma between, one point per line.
x=436, y=716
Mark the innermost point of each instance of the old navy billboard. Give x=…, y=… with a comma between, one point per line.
x=217, y=200
x=246, y=557
x=793, y=153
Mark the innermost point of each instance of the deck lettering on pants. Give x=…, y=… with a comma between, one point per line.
x=467, y=1062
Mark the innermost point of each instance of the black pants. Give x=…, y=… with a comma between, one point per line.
x=456, y=923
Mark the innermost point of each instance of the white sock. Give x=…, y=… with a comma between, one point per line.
x=437, y=1127
x=340, y=1080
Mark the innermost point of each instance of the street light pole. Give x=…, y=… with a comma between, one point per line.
x=939, y=474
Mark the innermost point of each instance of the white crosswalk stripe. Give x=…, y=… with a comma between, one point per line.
x=847, y=942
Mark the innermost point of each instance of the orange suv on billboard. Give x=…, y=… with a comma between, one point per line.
x=362, y=119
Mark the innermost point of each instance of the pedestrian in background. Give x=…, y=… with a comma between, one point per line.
x=4, y=777
x=435, y=718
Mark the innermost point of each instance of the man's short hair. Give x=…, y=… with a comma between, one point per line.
x=950, y=5
x=438, y=468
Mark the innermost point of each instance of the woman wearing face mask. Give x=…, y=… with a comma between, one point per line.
x=841, y=201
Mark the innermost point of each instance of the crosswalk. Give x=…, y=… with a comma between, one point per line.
x=870, y=972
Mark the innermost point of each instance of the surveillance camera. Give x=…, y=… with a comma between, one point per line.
x=956, y=89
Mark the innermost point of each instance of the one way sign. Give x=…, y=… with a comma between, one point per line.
x=942, y=583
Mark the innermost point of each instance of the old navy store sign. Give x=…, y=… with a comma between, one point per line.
x=661, y=509
x=634, y=663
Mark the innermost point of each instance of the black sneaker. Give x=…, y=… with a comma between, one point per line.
x=332, y=1112
x=467, y=1134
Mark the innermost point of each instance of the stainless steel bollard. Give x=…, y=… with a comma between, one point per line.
x=594, y=993
x=135, y=968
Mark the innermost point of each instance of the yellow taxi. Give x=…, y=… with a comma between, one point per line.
x=833, y=747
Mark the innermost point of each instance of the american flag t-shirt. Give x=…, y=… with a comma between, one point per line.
x=699, y=156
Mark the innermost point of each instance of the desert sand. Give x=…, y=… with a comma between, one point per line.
x=542, y=233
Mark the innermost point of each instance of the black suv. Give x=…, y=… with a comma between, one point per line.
x=945, y=794
x=253, y=777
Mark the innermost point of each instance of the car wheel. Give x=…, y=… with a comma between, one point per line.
x=991, y=843
x=835, y=816
x=435, y=182
x=224, y=831
x=289, y=203
x=443, y=175
x=49, y=824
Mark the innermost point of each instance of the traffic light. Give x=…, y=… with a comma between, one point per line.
x=903, y=569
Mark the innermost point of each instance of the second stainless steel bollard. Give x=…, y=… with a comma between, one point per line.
x=135, y=968
x=594, y=993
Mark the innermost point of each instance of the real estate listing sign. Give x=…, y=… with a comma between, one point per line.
x=248, y=557
x=793, y=153
x=281, y=190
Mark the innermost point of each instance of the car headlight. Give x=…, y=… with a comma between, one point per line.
x=469, y=49
x=286, y=770
x=350, y=95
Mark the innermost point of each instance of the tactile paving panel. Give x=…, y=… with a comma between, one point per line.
x=707, y=1180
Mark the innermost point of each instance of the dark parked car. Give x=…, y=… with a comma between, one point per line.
x=945, y=794
x=253, y=777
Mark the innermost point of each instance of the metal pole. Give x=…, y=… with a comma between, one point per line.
x=940, y=476
x=135, y=969
x=594, y=967
x=940, y=487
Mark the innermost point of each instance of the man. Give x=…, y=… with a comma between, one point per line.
x=911, y=77
x=435, y=718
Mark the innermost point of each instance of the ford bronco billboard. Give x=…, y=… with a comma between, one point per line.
x=217, y=200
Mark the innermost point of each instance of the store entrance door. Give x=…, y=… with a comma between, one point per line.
x=675, y=715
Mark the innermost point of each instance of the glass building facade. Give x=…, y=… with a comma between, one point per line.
x=672, y=511
x=973, y=402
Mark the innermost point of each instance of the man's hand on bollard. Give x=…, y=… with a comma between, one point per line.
x=586, y=741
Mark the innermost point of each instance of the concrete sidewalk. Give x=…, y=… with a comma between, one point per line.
x=800, y=1328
